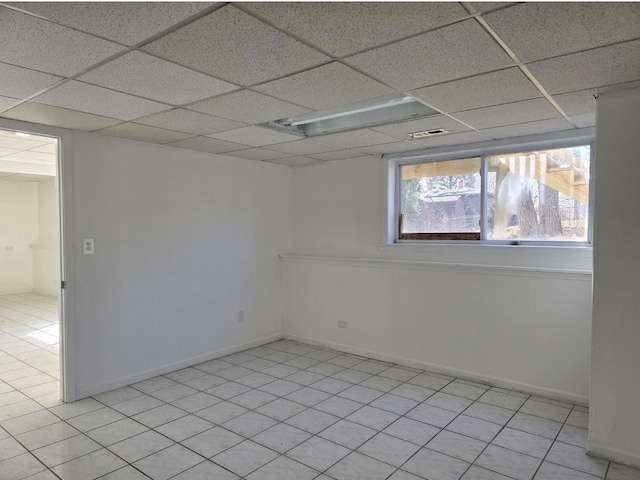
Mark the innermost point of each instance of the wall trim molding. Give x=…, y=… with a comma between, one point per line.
x=540, y=272
x=454, y=372
x=172, y=367
x=624, y=457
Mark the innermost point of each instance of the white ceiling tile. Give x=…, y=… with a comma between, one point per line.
x=150, y=77
x=450, y=139
x=583, y=101
x=254, y=136
x=509, y=114
x=337, y=155
x=402, y=130
x=20, y=82
x=489, y=6
x=125, y=22
x=342, y=28
x=457, y=51
x=585, y=120
x=49, y=148
x=40, y=45
x=6, y=103
x=206, y=144
x=504, y=86
x=579, y=71
x=257, y=154
x=303, y=147
x=355, y=139
x=186, y=121
x=326, y=86
x=144, y=133
x=236, y=47
x=248, y=107
x=295, y=161
x=25, y=177
x=387, y=148
x=537, y=30
x=532, y=128
x=19, y=143
x=58, y=117
x=33, y=155
x=99, y=101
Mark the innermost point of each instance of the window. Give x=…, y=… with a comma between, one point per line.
x=511, y=196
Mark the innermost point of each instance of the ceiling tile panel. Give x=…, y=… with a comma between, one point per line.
x=260, y=154
x=124, y=22
x=254, y=136
x=19, y=143
x=99, y=101
x=537, y=30
x=187, y=121
x=58, y=117
x=508, y=114
x=144, y=133
x=585, y=120
x=206, y=144
x=326, y=86
x=20, y=82
x=583, y=101
x=7, y=102
x=337, y=155
x=402, y=130
x=396, y=147
x=580, y=71
x=449, y=53
x=484, y=90
x=356, y=138
x=295, y=161
x=248, y=107
x=303, y=147
x=33, y=155
x=50, y=148
x=489, y=6
x=8, y=151
x=40, y=45
x=236, y=47
x=150, y=77
x=532, y=128
x=449, y=140
x=348, y=27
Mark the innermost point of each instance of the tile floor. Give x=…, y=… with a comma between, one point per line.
x=278, y=412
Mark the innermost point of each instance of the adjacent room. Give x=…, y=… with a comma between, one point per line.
x=332, y=241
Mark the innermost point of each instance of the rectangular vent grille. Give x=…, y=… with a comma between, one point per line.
x=427, y=133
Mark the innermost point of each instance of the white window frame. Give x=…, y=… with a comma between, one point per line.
x=572, y=138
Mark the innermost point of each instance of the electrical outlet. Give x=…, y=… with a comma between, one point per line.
x=88, y=246
x=342, y=324
x=240, y=316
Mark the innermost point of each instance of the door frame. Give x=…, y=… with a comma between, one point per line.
x=65, y=223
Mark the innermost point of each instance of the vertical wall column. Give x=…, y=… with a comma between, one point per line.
x=614, y=420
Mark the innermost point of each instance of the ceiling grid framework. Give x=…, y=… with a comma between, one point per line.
x=206, y=76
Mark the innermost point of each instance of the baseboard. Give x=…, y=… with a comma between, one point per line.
x=454, y=372
x=631, y=459
x=172, y=367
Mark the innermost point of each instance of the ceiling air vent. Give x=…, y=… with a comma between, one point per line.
x=427, y=133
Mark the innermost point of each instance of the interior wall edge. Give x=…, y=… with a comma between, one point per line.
x=172, y=367
x=454, y=372
x=624, y=457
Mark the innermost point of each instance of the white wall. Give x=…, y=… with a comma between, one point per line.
x=614, y=420
x=18, y=231
x=517, y=316
x=183, y=241
x=46, y=253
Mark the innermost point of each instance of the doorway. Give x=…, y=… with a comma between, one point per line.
x=31, y=310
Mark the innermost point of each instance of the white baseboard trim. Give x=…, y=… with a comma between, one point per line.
x=172, y=367
x=632, y=459
x=454, y=372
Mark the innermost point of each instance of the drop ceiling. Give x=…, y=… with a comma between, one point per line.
x=205, y=76
x=27, y=158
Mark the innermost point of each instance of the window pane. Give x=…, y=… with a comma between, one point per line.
x=441, y=197
x=541, y=195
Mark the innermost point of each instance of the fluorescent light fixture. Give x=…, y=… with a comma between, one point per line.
x=427, y=133
x=374, y=112
x=22, y=134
